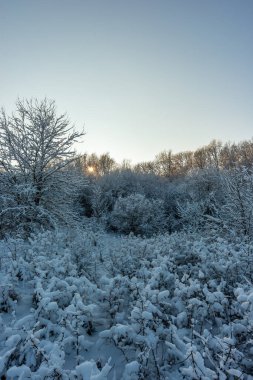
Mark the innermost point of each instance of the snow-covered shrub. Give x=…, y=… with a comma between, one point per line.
x=114, y=298
x=237, y=212
x=8, y=298
x=138, y=215
x=192, y=215
x=171, y=306
x=89, y=371
x=132, y=371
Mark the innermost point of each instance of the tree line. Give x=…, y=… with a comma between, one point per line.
x=44, y=184
x=216, y=155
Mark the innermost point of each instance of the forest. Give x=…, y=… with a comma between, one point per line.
x=115, y=271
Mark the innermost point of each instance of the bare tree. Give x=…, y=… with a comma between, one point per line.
x=164, y=164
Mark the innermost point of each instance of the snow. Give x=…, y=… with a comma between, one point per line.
x=156, y=318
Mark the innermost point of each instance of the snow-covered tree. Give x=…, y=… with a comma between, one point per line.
x=237, y=212
x=35, y=150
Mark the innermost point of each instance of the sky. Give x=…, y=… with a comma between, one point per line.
x=140, y=76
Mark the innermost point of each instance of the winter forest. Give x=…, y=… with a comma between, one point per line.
x=122, y=272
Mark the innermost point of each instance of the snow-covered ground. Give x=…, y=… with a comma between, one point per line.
x=93, y=306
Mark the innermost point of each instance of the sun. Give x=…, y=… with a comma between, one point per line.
x=90, y=169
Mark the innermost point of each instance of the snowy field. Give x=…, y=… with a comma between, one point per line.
x=90, y=305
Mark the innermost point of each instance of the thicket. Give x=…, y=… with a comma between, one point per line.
x=144, y=204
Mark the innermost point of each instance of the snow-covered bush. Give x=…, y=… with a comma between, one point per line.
x=171, y=306
x=237, y=212
x=138, y=215
x=8, y=298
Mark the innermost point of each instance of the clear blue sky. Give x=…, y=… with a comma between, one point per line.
x=141, y=76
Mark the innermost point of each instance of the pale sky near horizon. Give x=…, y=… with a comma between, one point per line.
x=141, y=76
